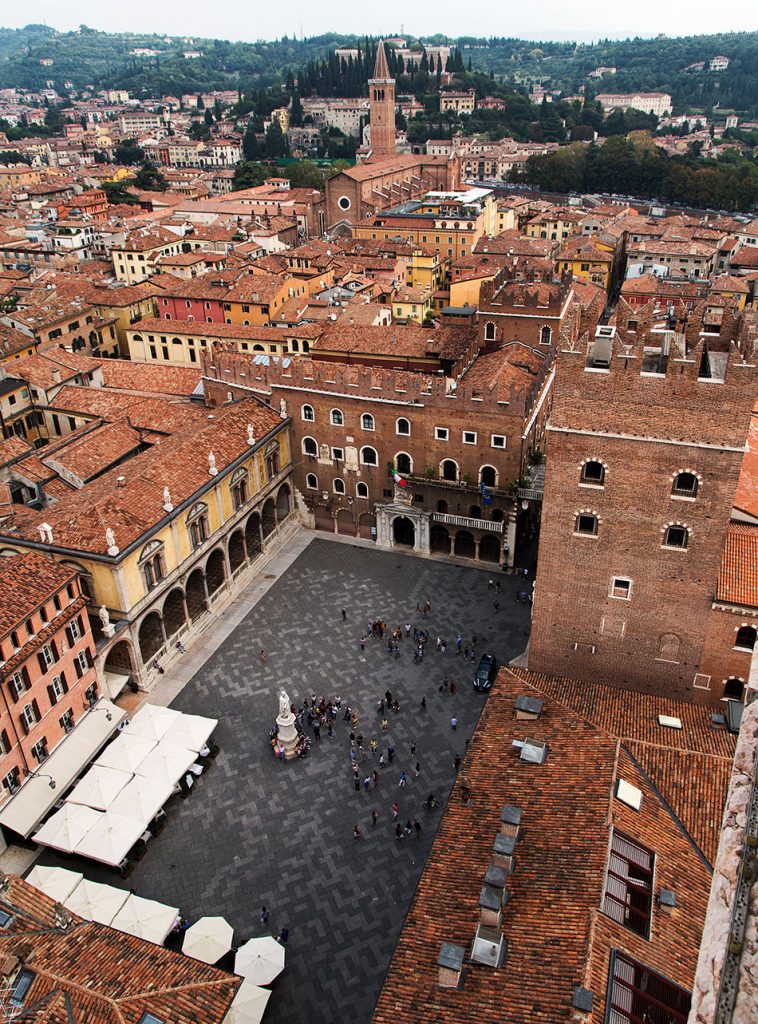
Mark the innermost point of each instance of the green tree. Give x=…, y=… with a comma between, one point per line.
x=296, y=110
x=117, y=192
x=248, y=175
x=276, y=142
x=129, y=153
x=150, y=178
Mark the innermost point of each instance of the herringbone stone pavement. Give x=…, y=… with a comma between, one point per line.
x=256, y=831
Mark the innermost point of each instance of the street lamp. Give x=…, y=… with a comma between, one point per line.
x=52, y=783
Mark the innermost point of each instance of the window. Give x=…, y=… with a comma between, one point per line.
x=593, y=474
x=152, y=564
x=676, y=537
x=29, y=716
x=734, y=688
x=311, y=481
x=546, y=335
x=586, y=524
x=47, y=657
x=621, y=588
x=441, y=433
x=56, y=689
x=81, y=663
x=361, y=490
x=745, y=638
x=488, y=476
x=240, y=488
x=489, y=331
x=338, y=454
x=638, y=995
x=11, y=780
x=91, y=694
x=66, y=722
x=18, y=683
x=272, y=460
x=197, y=524
x=75, y=628
x=309, y=446
x=337, y=418
x=685, y=485
x=402, y=426
x=40, y=751
x=449, y=470
x=338, y=486
x=367, y=421
x=498, y=441
x=631, y=326
x=369, y=456
x=629, y=885
x=22, y=985
x=469, y=437
x=5, y=918
x=308, y=414
x=403, y=463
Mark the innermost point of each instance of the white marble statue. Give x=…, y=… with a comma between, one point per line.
x=110, y=540
x=167, y=503
x=284, y=705
x=105, y=618
x=250, y=434
x=212, y=467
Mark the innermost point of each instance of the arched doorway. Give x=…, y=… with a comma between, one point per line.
x=197, y=603
x=403, y=531
x=489, y=548
x=345, y=522
x=236, y=550
x=173, y=612
x=283, y=503
x=119, y=668
x=269, y=518
x=215, y=572
x=366, y=525
x=150, y=636
x=324, y=518
x=449, y=470
x=464, y=544
x=439, y=539
x=253, y=536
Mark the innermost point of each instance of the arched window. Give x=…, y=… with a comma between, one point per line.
x=593, y=473
x=734, y=688
x=449, y=470
x=546, y=335
x=403, y=426
x=152, y=564
x=745, y=638
x=489, y=331
x=197, y=524
x=308, y=414
x=309, y=446
x=586, y=523
x=338, y=486
x=367, y=421
x=311, y=481
x=361, y=490
x=272, y=460
x=240, y=492
x=488, y=476
x=685, y=485
x=668, y=647
x=403, y=463
x=369, y=456
x=676, y=536
x=337, y=418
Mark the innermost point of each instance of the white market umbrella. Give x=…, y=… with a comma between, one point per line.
x=151, y=721
x=167, y=760
x=57, y=883
x=67, y=827
x=248, y=1004
x=110, y=839
x=98, y=787
x=125, y=753
x=208, y=939
x=142, y=798
x=191, y=731
x=147, y=919
x=260, y=960
x=96, y=902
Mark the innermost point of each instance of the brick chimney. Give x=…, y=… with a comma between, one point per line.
x=450, y=965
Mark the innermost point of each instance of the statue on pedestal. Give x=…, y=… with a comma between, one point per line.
x=284, y=705
x=105, y=621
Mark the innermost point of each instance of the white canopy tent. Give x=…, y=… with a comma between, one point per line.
x=151, y=722
x=147, y=919
x=142, y=798
x=98, y=787
x=248, y=1004
x=166, y=760
x=208, y=939
x=26, y=808
x=96, y=902
x=110, y=838
x=57, y=883
x=191, y=731
x=260, y=960
x=65, y=829
x=125, y=752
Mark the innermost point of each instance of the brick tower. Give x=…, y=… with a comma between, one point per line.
x=381, y=91
x=645, y=442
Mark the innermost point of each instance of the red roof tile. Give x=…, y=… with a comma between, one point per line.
x=738, y=575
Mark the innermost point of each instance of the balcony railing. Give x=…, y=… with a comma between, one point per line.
x=529, y=494
x=460, y=485
x=467, y=522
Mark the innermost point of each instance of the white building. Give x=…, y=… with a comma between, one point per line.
x=658, y=103
x=718, y=63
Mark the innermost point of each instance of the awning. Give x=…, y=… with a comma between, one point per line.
x=114, y=683
x=26, y=808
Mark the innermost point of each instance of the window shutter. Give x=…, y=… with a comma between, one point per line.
x=69, y=636
x=90, y=659
x=42, y=663
x=54, y=649
x=26, y=676
x=25, y=725
x=35, y=709
x=13, y=691
x=51, y=695
x=5, y=742
x=78, y=668
x=64, y=684
x=80, y=624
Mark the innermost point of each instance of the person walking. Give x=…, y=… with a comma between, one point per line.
x=330, y=730
x=452, y=686
x=373, y=746
x=417, y=827
x=283, y=936
x=381, y=760
x=375, y=777
x=390, y=753
x=374, y=817
x=453, y=723
x=385, y=725
x=357, y=832
x=395, y=809
x=317, y=730
x=398, y=831
x=496, y=605
x=413, y=747
x=363, y=643
x=367, y=783
x=344, y=615
x=403, y=780
x=417, y=769
x=264, y=656
x=457, y=762
x=264, y=915
x=423, y=704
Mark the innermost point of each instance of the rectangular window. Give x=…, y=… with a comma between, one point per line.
x=80, y=664
x=76, y=630
x=47, y=657
x=639, y=995
x=469, y=437
x=28, y=718
x=338, y=454
x=66, y=722
x=498, y=441
x=10, y=782
x=441, y=434
x=629, y=885
x=621, y=588
x=17, y=684
x=40, y=751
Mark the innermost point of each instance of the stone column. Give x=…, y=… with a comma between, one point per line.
x=510, y=538
x=423, y=542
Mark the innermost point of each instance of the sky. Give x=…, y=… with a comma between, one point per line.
x=539, y=19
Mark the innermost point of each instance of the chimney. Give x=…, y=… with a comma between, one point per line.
x=489, y=948
x=502, y=852
x=667, y=901
x=450, y=965
x=493, y=897
x=581, y=1003
x=120, y=481
x=510, y=820
x=45, y=533
x=56, y=375
x=528, y=708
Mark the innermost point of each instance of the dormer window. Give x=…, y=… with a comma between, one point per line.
x=629, y=885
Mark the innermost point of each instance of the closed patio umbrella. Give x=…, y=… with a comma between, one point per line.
x=151, y=721
x=248, y=1004
x=125, y=753
x=208, y=939
x=57, y=883
x=65, y=829
x=96, y=902
x=147, y=919
x=260, y=960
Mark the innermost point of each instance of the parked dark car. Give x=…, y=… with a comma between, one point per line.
x=485, y=673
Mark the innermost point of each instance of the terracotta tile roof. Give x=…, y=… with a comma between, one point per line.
x=738, y=575
x=12, y=448
x=92, y=974
x=725, y=283
x=747, y=256
x=512, y=366
x=144, y=378
x=746, y=496
x=42, y=368
x=26, y=581
x=512, y=243
x=243, y=332
x=259, y=289
x=94, y=452
x=161, y=415
x=12, y=341
x=410, y=340
x=557, y=935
